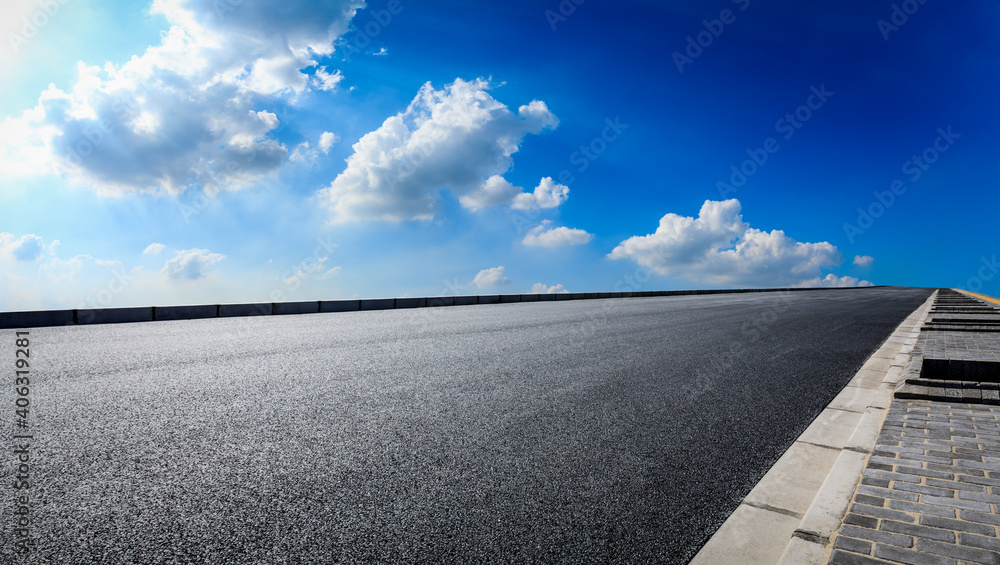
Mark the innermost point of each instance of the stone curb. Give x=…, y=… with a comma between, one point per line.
x=88, y=316
x=826, y=513
x=783, y=513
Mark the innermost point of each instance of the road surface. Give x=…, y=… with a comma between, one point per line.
x=596, y=431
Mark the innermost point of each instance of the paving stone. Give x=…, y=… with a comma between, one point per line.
x=980, y=517
x=959, y=552
x=954, y=485
x=890, y=493
x=877, y=536
x=990, y=543
x=979, y=480
x=917, y=531
x=957, y=503
x=980, y=497
x=923, y=489
x=863, y=521
x=852, y=544
x=957, y=525
x=911, y=557
x=869, y=500
x=923, y=508
x=843, y=558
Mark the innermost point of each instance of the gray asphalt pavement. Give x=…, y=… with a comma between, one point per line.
x=592, y=431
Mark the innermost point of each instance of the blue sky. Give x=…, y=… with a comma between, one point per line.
x=188, y=151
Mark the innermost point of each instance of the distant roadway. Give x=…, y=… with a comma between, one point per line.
x=622, y=430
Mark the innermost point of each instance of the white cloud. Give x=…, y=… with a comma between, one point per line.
x=303, y=153
x=863, y=260
x=832, y=281
x=327, y=140
x=309, y=155
x=324, y=80
x=547, y=194
x=191, y=264
x=539, y=288
x=497, y=191
x=154, y=249
x=719, y=248
x=488, y=278
x=25, y=248
x=555, y=237
x=450, y=139
x=188, y=109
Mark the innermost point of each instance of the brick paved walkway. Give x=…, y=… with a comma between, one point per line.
x=931, y=491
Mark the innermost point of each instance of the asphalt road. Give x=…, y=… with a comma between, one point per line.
x=589, y=431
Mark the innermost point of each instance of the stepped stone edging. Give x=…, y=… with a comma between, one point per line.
x=89, y=316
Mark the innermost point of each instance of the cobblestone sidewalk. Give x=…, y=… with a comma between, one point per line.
x=931, y=490
x=930, y=493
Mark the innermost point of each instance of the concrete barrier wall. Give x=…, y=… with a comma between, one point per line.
x=411, y=302
x=83, y=316
x=36, y=319
x=339, y=305
x=165, y=313
x=435, y=301
x=256, y=309
x=284, y=308
x=114, y=315
x=378, y=304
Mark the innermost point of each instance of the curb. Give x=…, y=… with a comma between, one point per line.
x=89, y=316
x=810, y=543
x=790, y=513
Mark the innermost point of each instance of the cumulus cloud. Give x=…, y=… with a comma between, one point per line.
x=154, y=249
x=539, y=288
x=497, y=191
x=833, y=281
x=191, y=264
x=542, y=236
x=547, y=194
x=451, y=139
x=327, y=140
x=187, y=110
x=863, y=260
x=718, y=247
x=25, y=248
x=488, y=278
